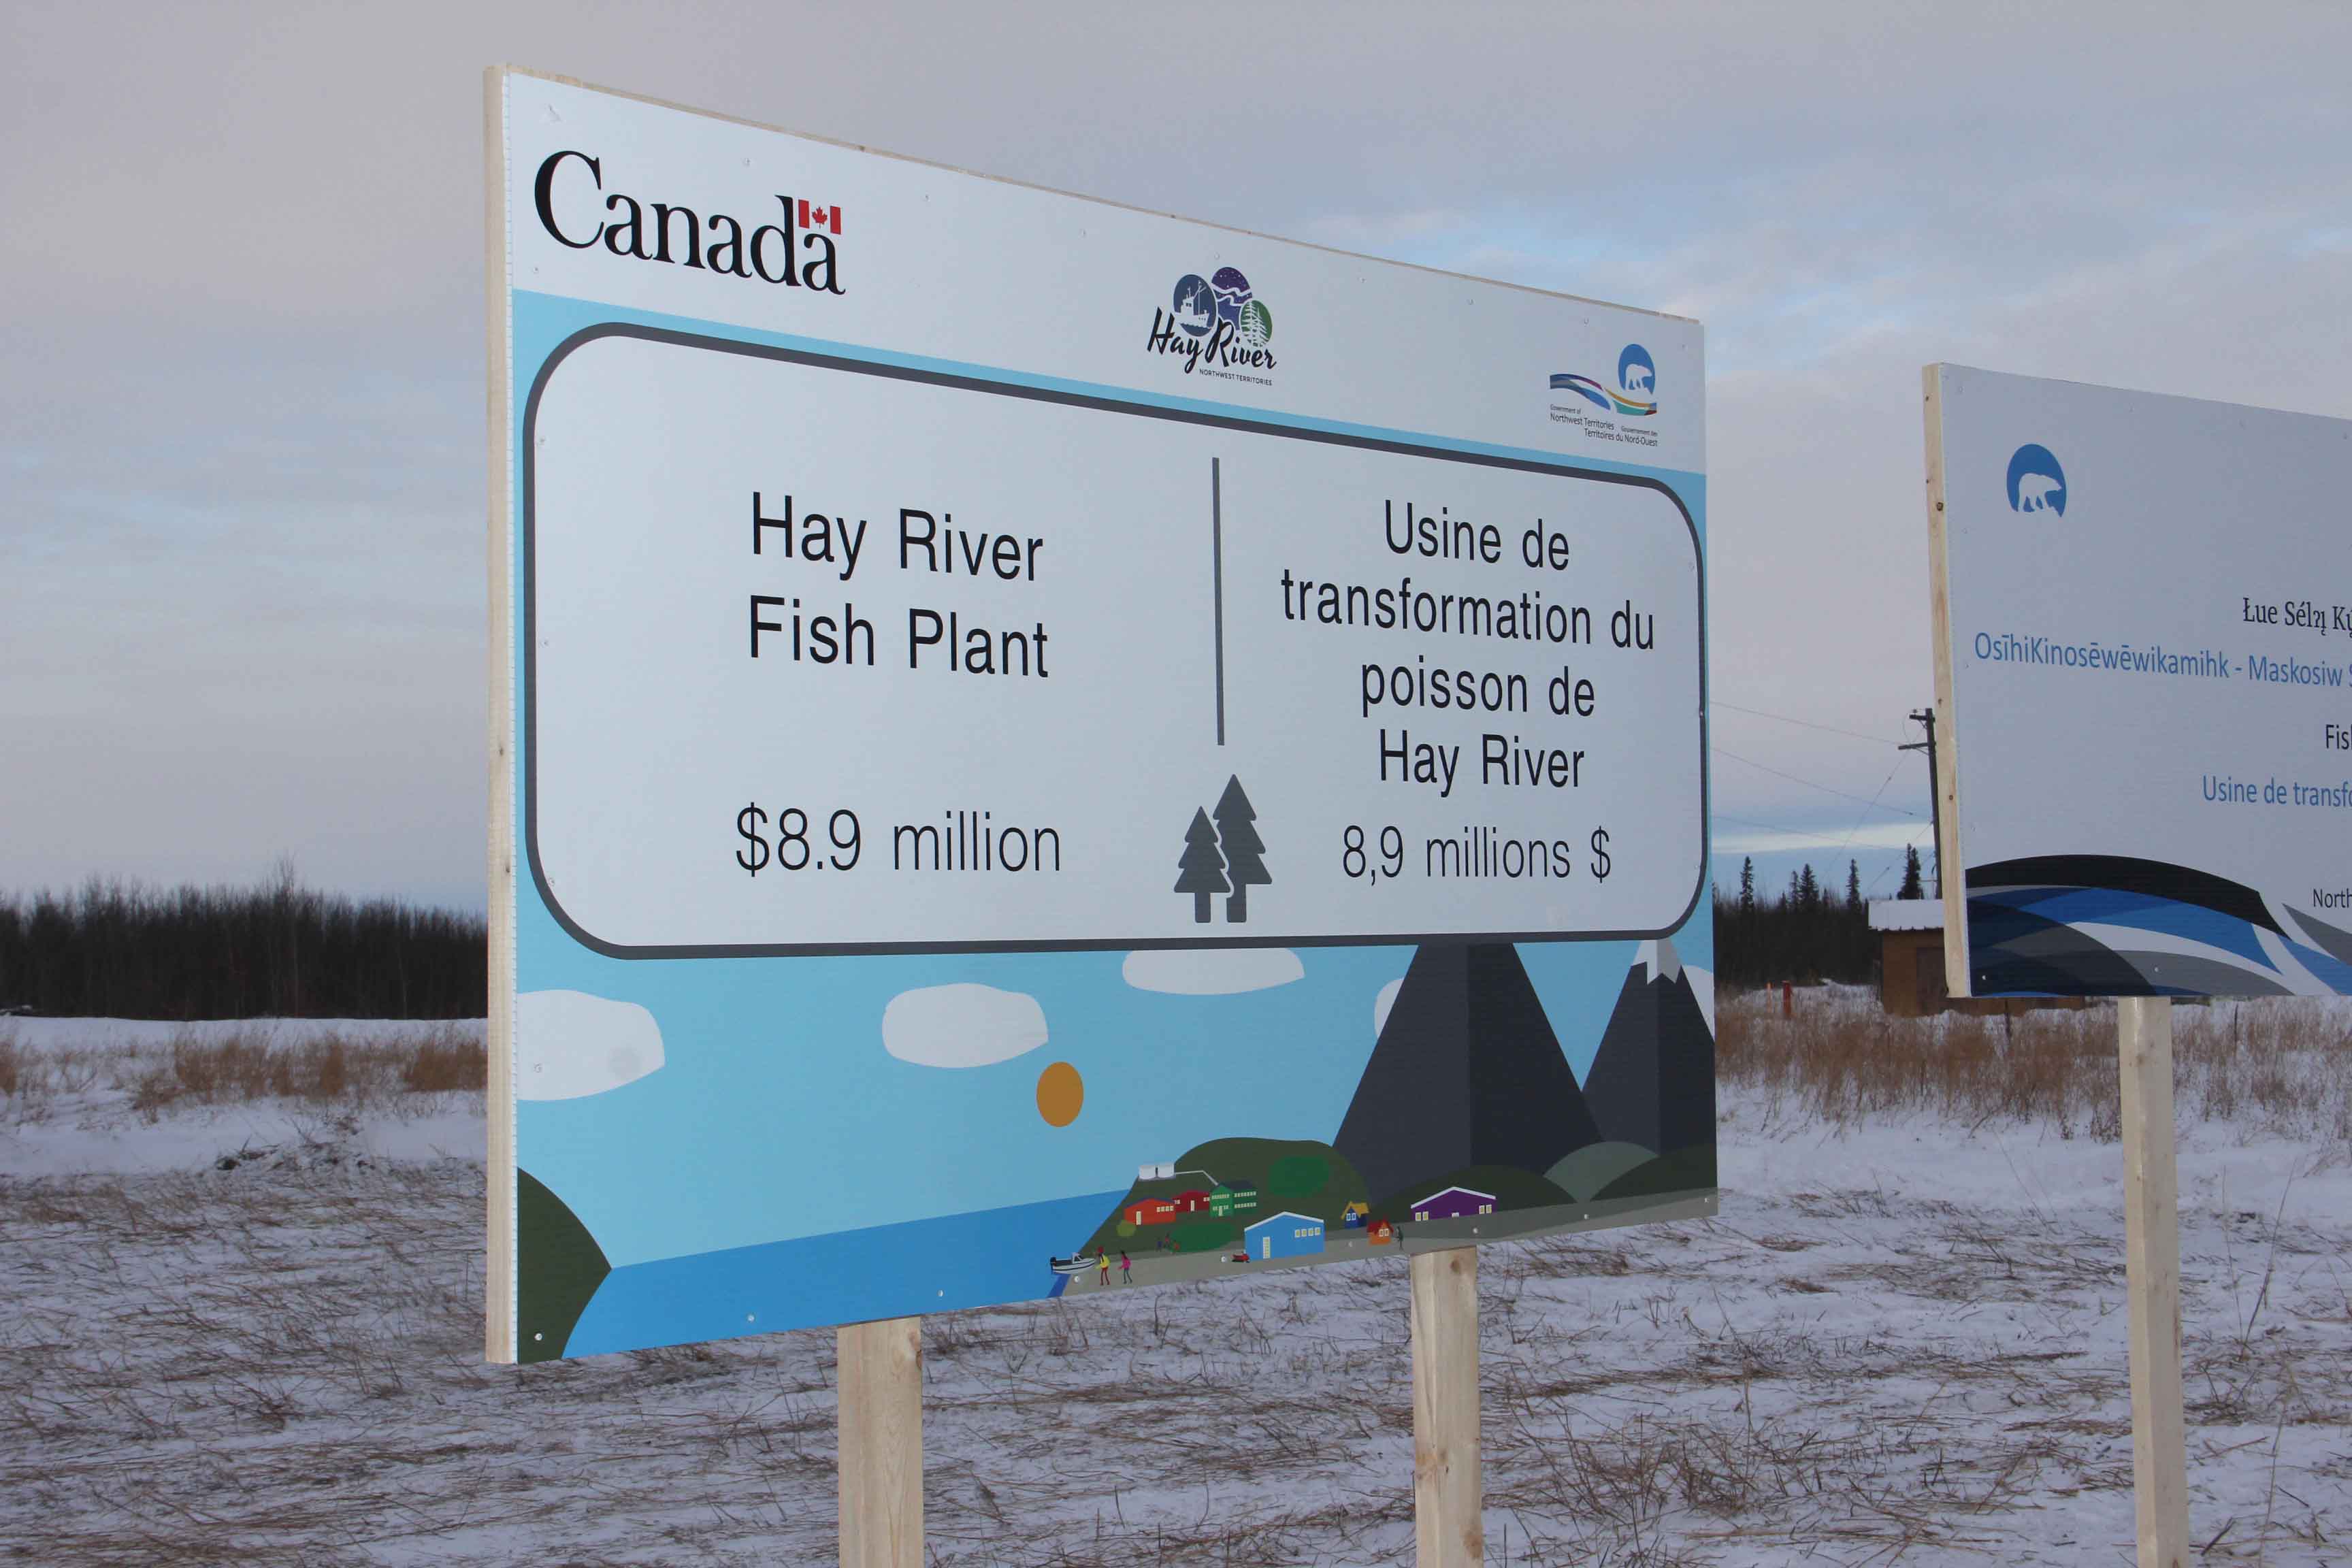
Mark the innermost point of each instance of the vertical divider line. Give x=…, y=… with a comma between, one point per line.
x=1217, y=580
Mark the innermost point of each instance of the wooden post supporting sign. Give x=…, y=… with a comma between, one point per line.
x=881, y=1435
x=2152, y=1276
x=1448, y=1494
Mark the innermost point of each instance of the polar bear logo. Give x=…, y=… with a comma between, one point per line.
x=1636, y=372
x=2036, y=482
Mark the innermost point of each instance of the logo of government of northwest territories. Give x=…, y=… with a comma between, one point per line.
x=1217, y=318
x=1635, y=394
x=2036, y=482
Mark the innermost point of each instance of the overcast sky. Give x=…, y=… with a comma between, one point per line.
x=241, y=361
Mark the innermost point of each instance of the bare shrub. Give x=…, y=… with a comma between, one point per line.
x=11, y=1077
x=2283, y=1067
x=239, y=1067
x=329, y=1069
x=446, y=1063
x=155, y=1090
x=196, y=1067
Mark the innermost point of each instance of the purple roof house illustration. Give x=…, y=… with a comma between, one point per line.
x=1453, y=1203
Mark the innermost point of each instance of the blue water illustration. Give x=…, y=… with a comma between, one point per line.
x=952, y=1262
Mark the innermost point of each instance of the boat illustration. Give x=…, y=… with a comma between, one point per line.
x=1077, y=1264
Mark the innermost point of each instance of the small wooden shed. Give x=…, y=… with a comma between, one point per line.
x=1910, y=956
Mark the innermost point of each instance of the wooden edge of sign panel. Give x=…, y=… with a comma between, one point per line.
x=1956, y=973
x=498, y=1284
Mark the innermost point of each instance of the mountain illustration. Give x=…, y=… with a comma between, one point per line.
x=1466, y=1072
x=1653, y=1080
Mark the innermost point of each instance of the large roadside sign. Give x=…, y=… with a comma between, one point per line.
x=1004, y=691
x=2143, y=633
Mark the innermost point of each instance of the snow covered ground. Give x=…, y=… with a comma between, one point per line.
x=249, y=1332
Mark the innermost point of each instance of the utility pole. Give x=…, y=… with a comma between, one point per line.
x=1926, y=718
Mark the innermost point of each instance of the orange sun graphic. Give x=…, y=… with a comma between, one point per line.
x=1060, y=1094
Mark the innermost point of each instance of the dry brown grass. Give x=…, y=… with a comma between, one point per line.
x=198, y=1069
x=322, y=1070
x=446, y=1065
x=2281, y=1066
x=35, y=1080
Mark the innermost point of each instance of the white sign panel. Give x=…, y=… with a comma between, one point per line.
x=828, y=656
x=1115, y=589
x=911, y=590
x=2147, y=633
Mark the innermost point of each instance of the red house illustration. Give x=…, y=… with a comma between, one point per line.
x=1151, y=1210
x=1453, y=1203
x=1192, y=1202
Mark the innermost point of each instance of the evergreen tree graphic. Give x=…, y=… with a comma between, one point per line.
x=1244, y=851
x=1201, y=871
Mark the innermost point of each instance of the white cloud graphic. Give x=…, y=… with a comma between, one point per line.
x=569, y=1044
x=1382, y=1002
x=1212, y=971
x=961, y=1025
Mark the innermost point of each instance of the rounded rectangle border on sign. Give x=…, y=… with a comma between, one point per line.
x=1009, y=564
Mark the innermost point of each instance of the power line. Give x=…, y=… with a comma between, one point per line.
x=1809, y=783
x=1868, y=887
x=1796, y=833
x=1881, y=875
x=1752, y=822
x=1804, y=723
x=1873, y=801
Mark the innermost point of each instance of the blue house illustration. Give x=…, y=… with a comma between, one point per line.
x=1283, y=1235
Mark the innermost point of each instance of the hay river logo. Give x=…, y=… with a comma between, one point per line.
x=1214, y=323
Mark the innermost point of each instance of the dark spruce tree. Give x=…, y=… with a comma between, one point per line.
x=1747, y=885
x=1201, y=871
x=1243, y=850
x=1912, y=886
x=1767, y=941
x=1852, y=886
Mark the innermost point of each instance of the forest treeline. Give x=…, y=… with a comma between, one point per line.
x=277, y=950
x=1804, y=931
x=281, y=950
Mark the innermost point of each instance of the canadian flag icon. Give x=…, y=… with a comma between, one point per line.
x=820, y=218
